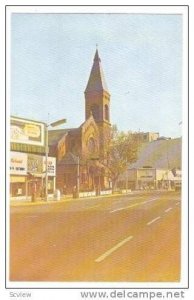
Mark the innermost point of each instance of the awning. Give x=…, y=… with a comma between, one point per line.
x=17, y=179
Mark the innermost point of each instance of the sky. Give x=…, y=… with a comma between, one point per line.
x=141, y=56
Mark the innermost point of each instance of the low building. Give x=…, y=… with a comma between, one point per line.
x=27, y=160
x=145, y=137
x=158, y=166
x=147, y=178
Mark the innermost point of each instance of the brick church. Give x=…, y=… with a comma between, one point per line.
x=81, y=152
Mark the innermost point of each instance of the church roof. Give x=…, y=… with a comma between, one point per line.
x=55, y=135
x=160, y=154
x=96, y=80
x=88, y=121
x=69, y=159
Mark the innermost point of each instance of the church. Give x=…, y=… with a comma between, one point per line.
x=81, y=152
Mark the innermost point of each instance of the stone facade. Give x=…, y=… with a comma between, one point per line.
x=80, y=152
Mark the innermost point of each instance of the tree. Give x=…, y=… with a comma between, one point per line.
x=121, y=151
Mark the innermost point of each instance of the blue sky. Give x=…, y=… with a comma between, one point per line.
x=141, y=54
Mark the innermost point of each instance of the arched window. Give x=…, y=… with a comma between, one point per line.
x=91, y=145
x=95, y=111
x=106, y=112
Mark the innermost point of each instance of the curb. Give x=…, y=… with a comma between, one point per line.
x=14, y=203
x=22, y=203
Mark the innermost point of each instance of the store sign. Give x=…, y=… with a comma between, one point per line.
x=146, y=174
x=51, y=163
x=18, y=163
x=26, y=132
x=35, y=164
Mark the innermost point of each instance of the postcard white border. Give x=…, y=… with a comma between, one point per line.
x=116, y=9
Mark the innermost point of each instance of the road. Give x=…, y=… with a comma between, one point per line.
x=129, y=238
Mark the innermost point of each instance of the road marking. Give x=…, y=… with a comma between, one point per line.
x=112, y=211
x=133, y=205
x=122, y=208
x=154, y=220
x=151, y=200
x=168, y=209
x=94, y=206
x=110, y=251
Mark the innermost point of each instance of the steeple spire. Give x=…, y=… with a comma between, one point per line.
x=96, y=57
x=96, y=82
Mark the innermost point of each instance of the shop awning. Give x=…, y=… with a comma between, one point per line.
x=15, y=179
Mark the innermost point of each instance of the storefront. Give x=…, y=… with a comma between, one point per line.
x=148, y=178
x=27, y=175
x=18, y=174
x=27, y=160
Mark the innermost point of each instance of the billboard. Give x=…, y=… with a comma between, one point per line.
x=27, y=132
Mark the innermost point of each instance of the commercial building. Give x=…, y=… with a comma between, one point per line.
x=147, y=178
x=27, y=160
x=145, y=137
x=158, y=166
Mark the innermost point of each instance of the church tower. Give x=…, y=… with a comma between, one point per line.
x=97, y=102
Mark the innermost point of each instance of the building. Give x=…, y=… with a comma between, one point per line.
x=80, y=152
x=27, y=160
x=158, y=166
x=145, y=137
x=147, y=178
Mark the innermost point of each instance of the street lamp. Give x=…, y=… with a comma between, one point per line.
x=54, y=124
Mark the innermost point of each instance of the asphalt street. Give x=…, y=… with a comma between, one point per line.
x=127, y=238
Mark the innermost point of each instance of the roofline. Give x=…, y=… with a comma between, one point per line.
x=62, y=129
x=25, y=119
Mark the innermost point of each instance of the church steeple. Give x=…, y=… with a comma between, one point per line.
x=96, y=80
x=96, y=57
x=97, y=102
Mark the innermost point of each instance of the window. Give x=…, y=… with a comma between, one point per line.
x=91, y=145
x=106, y=109
x=95, y=111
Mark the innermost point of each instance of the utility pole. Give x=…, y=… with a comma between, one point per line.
x=54, y=124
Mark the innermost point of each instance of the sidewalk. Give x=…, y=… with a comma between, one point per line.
x=68, y=198
x=64, y=199
x=39, y=201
